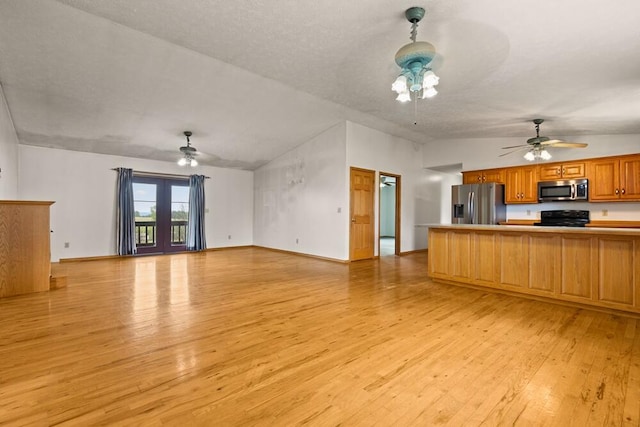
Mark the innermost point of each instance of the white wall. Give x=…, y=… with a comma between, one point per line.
x=8, y=153
x=83, y=187
x=298, y=195
x=370, y=149
x=483, y=153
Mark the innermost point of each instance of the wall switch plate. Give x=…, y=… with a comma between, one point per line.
x=296, y=241
x=229, y=237
x=66, y=244
x=339, y=210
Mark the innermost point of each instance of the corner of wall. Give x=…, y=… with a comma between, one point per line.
x=9, y=157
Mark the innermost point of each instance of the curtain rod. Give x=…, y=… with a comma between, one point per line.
x=159, y=175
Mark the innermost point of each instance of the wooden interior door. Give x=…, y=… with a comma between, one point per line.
x=361, y=234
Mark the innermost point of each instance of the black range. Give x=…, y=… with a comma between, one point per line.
x=563, y=218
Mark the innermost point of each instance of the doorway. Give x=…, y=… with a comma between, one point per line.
x=389, y=214
x=361, y=231
x=162, y=211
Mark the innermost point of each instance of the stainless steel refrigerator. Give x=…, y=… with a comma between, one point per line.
x=478, y=204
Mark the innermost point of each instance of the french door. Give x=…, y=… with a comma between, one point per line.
x=162, y=211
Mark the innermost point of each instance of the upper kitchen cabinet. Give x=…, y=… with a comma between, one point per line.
x=521, y=185
x=553, y=171
x=614, y=179
x=480, y=176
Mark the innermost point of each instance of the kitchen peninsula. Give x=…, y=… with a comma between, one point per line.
x=594, y=266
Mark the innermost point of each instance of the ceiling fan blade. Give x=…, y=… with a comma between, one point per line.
x=521, y=148
x=515, y=146
x=551, y=142
x=566, y=144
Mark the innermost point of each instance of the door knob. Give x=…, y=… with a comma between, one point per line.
x=353, y=220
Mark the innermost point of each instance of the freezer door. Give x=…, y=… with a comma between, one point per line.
x=463, y=198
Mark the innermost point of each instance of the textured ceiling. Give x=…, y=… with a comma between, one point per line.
x=254, y=79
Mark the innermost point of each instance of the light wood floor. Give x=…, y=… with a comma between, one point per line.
x=255, y=337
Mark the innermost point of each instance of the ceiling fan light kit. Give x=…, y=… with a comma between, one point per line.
x=188, y=151
x=414, y=58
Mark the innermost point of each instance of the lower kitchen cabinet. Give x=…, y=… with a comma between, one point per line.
x=594, y=267
x=544, y=253
x=576, y=255
x=618, y=263
x=514, y=260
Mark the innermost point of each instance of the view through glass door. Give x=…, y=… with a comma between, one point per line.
x=162, y=211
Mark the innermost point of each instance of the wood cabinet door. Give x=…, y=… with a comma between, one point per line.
x=460, y=255
x=544, y=263
x=577, y=263
x=573, y=170
x=514, y=260
x=604, y=179
x=473, y=177
x=550, y=172
x=630, y=178
x=485, y=258
x=512, y=185
x=438, y=254
x=521, y=185
x=494, y=175
x=618, y=283
x=529, y=185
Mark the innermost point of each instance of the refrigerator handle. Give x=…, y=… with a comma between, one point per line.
x=472, y=207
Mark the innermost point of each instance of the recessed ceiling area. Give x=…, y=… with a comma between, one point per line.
x=252, y=80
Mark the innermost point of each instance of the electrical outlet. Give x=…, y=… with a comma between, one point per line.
x=605, y=212
x=528, y=212
x=66, y=245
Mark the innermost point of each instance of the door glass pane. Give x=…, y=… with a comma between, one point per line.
x=179, y=214
x=145, y=205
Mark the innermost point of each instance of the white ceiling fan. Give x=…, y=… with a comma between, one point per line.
x=537, y=146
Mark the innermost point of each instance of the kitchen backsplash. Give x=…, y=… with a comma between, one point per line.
x=617, y=211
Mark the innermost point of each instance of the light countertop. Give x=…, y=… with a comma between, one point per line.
x=534, y=229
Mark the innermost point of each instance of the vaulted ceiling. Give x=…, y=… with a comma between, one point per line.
x=253, y=79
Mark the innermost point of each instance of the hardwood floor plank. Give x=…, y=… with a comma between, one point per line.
x=256, y=337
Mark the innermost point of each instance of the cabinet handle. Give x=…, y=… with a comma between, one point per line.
x=622, y=191
x=479, y=178
x=617, y=191
x=558, y=171
x=564, y=171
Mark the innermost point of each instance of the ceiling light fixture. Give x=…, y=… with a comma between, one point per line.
x=189, y=153
x=414, y=59
x=537, y=153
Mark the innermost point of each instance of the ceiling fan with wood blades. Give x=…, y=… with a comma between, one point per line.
x=537, y=145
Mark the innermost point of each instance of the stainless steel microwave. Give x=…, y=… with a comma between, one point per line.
x=557, y=191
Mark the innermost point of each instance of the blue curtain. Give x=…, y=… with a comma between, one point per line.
x=195, y=229
x=125, y=213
